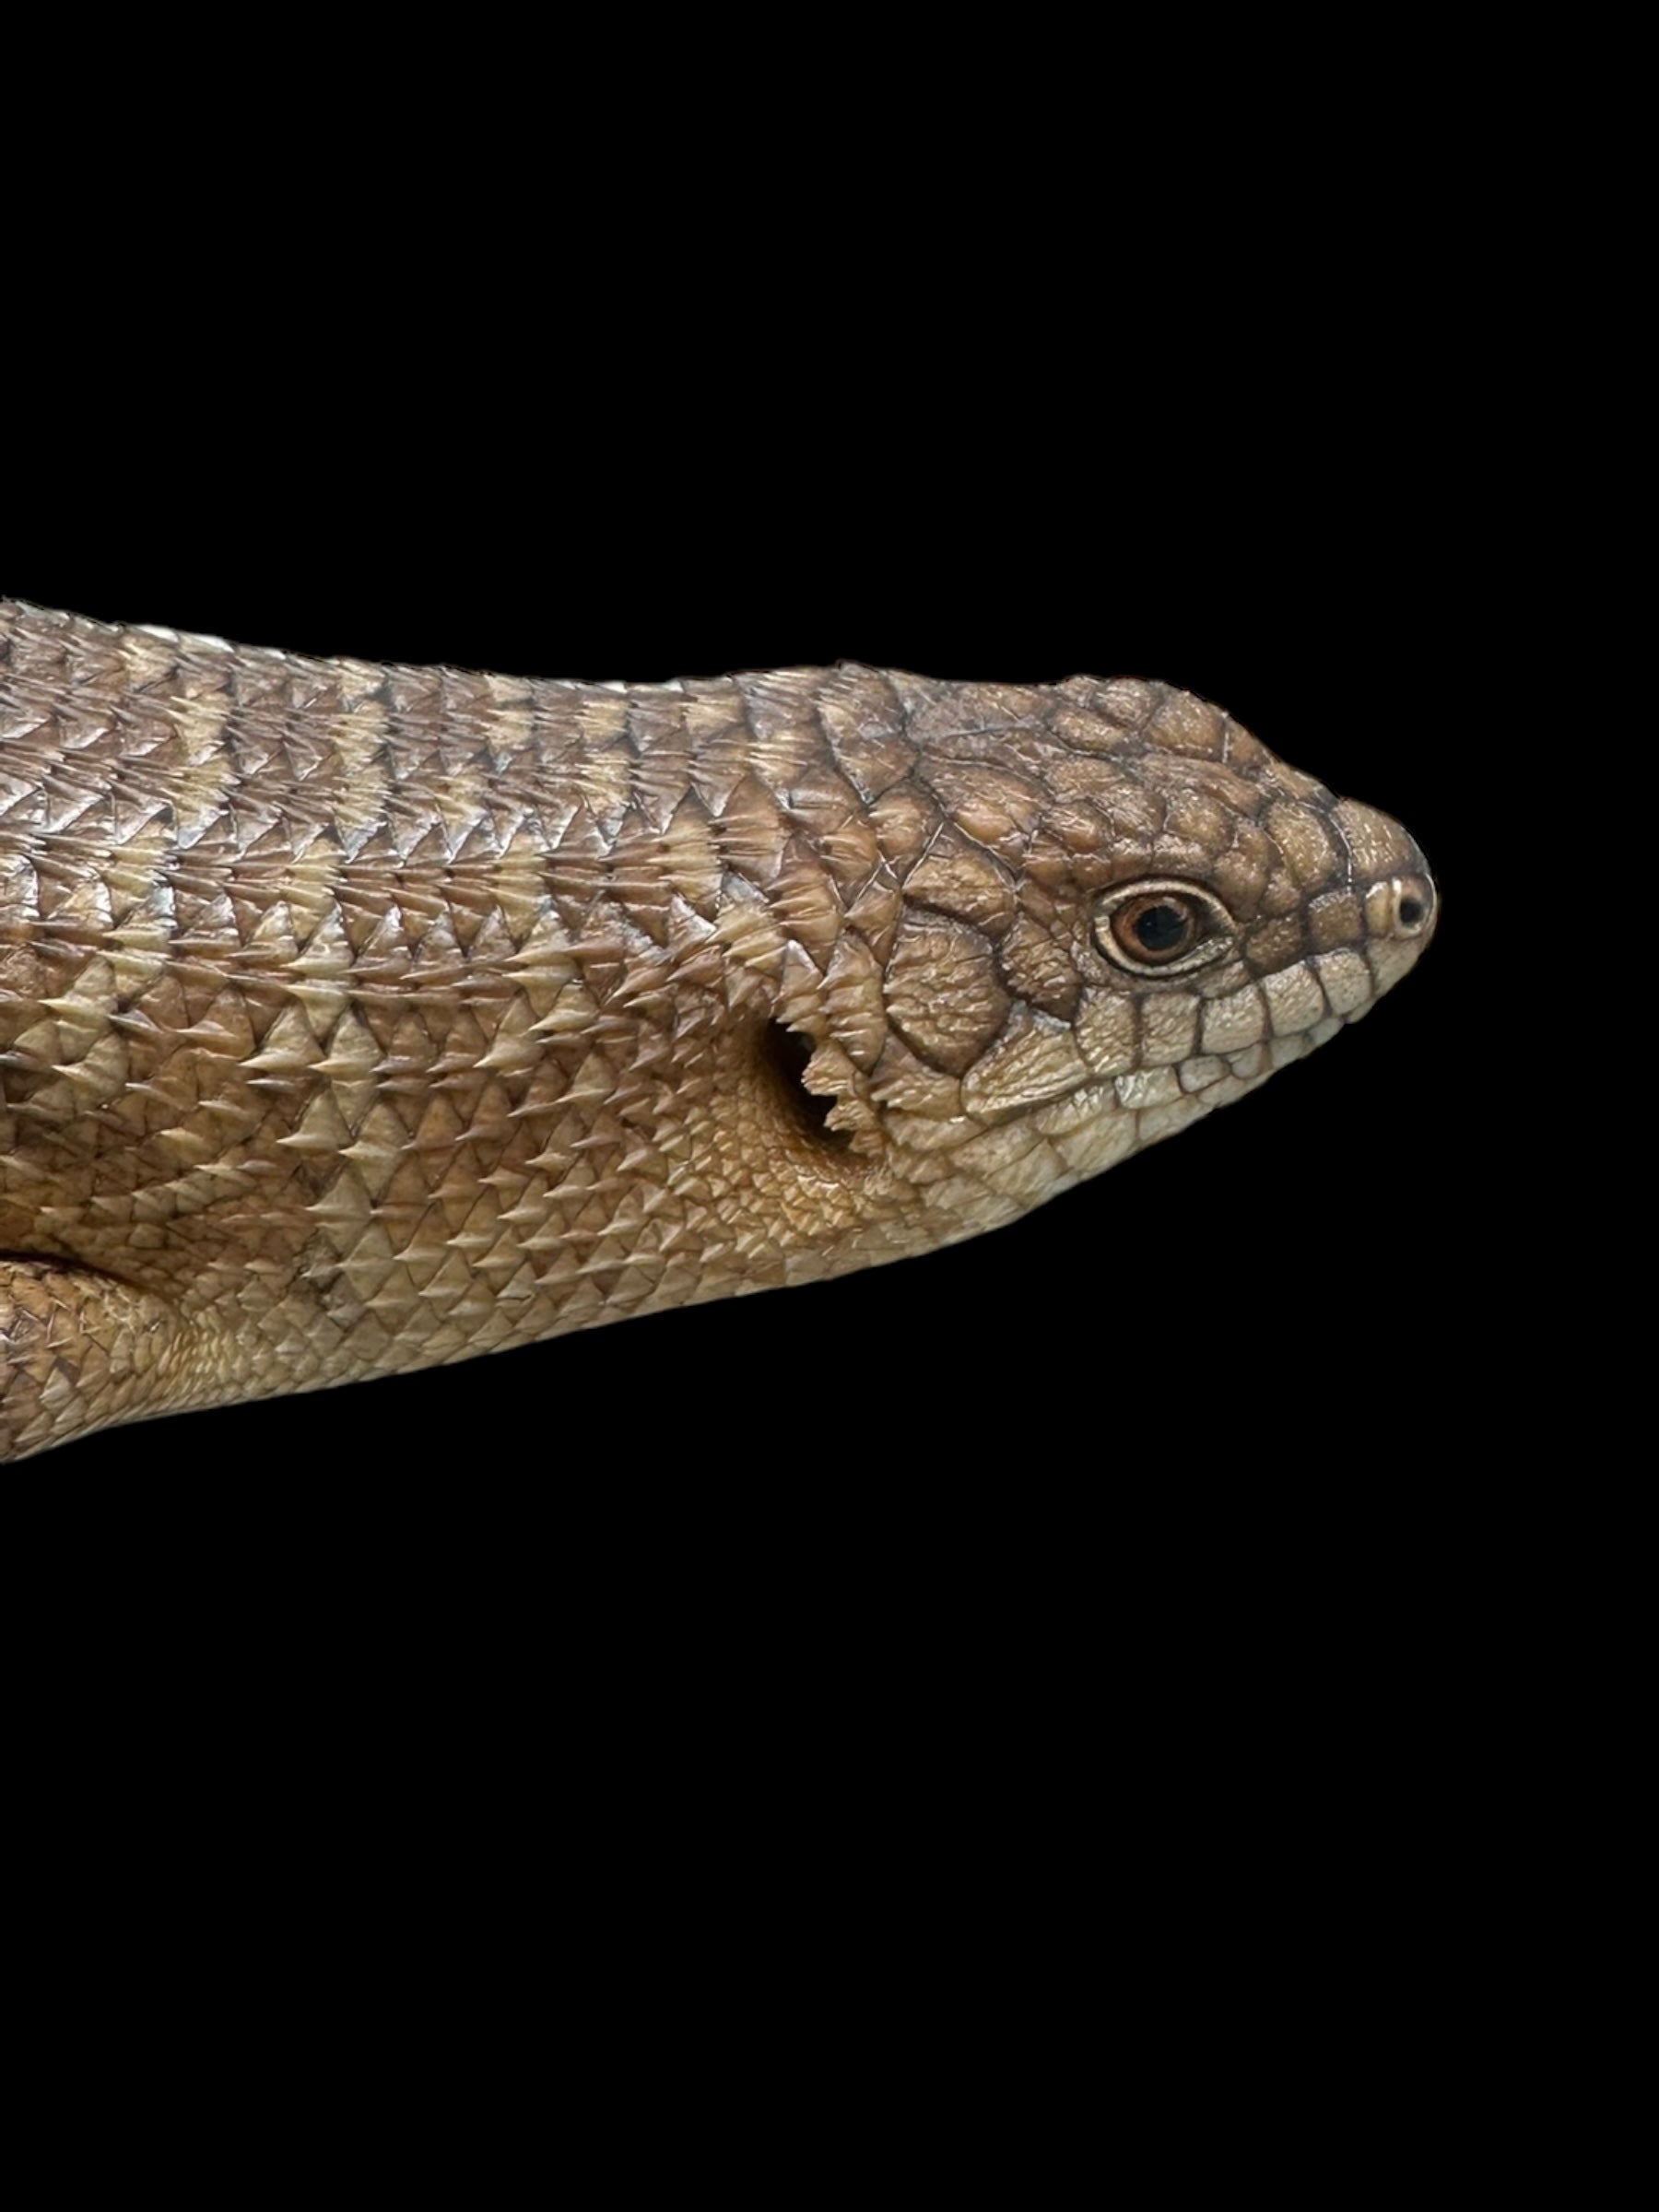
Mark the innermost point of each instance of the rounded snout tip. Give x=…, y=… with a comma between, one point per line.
x=1402, y=904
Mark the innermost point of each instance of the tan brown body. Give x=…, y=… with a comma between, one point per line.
x=357, y=1018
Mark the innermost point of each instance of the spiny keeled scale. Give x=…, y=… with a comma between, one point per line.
x=358, y=1018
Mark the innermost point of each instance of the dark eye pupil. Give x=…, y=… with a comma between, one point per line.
x=1160, y=928
x=1152, y=929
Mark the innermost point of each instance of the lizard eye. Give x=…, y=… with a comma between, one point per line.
x=1161, y=928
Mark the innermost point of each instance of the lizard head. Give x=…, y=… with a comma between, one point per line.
x=1116, y=910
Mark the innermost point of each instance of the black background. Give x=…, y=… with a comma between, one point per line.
x=1196, y=1578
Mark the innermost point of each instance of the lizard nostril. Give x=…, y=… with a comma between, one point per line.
x=1413, y=905
x=1400, y=906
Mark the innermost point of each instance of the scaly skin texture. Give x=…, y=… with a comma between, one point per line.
x=356, y=1018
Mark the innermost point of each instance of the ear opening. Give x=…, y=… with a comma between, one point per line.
x=786, y=1055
